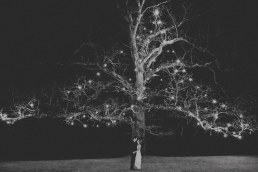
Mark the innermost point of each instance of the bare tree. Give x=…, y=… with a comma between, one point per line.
x=153, y=74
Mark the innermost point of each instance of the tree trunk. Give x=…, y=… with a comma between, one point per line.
x=138, y=128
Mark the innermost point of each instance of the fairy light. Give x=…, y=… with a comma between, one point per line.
x=31, y=105
x=79, y=87
x=84, y=116
x=223, y=105
x=85, y=125
x=229, y=125
x=183, y=70
x=90, y=81
x=190, y=79
x=178, y=61
x=98, y=73
x=161, y=79
x=130, y=79
x=241, y=116
x=159, y=22
x=121, y=51
x=72, y=123
x=214, y=101
x=68, y=92
x=156, y=12
x=225, y=135
x=175, y=71
x=105, y=65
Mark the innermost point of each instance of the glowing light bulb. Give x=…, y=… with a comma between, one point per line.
x=90, y=81
x=68, y=92
x=178, y=61
x=105, y=65
x=97, y=126
x=241, y=116
x=123, y=89
x=183, y=70
x=223, y=105
x=121, y=51
x=107, y=106
x=214, y=101
x=161, y=79
x=172, y=97
x=190, y=79
x=167, y=51
x=175, y=71
x=225, y=135
x=85, y=125
x=31, y=105
x=84, y=116
x=130, y=79
x=156, y=12
x=72, y=123
x=79, y=87
x=159, y=22
x=229, y=125
x=98, y=73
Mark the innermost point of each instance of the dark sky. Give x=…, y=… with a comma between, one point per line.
x=35, y=35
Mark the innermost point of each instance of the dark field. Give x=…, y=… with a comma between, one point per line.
x=150, y=164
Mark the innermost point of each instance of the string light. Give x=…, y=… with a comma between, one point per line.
x=121, y=51
x=72, y=123
x=85, y=125
x=130, y=79
x=68, y=92
x=105, y=65
x=31, y=105
x=156, y=12
x=79, y=87
x=190, y=79
x=178, y=61
x=159, y=22
x=214, y=101
x=90, y=81
x=98, y=73
x=183, y=70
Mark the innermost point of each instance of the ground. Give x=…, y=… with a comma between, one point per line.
x=150, y=164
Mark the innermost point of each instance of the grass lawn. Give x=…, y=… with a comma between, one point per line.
x=150, y=164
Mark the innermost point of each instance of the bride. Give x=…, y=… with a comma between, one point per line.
x=138, y=158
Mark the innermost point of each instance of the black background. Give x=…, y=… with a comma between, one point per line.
x=37, y=37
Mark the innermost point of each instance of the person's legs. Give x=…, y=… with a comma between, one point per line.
x=132, y=161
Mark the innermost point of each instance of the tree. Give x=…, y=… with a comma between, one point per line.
x=155, y=73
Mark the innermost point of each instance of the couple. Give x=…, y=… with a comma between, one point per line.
x=136, y=157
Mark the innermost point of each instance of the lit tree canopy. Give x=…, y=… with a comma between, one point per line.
x=154, y=73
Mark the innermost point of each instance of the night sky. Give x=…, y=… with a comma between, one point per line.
x=38, y=38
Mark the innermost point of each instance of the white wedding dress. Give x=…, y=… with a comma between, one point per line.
x=138, y=158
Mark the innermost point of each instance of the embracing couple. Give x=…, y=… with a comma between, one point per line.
x=136, y=156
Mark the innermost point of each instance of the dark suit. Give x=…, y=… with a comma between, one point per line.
x=133, y=147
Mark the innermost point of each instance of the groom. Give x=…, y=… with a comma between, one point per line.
x=133, y=147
